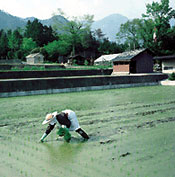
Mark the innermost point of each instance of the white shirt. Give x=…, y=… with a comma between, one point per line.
x=73, y=119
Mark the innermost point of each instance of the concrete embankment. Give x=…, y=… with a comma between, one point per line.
x=34, y=86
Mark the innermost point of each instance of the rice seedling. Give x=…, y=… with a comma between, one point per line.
x=130, y=129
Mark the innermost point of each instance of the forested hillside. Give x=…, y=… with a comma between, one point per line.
x=8, y=21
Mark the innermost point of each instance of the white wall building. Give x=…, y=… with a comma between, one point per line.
x=35, y=58
x=168, y=63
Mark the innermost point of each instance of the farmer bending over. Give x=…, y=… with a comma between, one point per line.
x=67, y=120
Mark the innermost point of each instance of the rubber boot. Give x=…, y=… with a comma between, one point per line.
x=82, y=133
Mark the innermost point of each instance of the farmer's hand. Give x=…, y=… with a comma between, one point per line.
x=42, y=138
x=41, y=141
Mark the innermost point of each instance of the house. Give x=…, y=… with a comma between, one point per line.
x=137, y=61
x=35, y=58
x=105, y=59
x=167, y=62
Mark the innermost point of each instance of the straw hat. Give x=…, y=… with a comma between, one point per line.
x=49, y=117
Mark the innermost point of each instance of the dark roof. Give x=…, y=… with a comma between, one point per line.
x=127, y=56
x=169, y=57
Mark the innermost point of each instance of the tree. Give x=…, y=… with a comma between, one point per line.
x=39, y=33
x=88, y=41
x=168, y=42
x=107, y=47
x=57, y=48
x=64, y=45
x=99, y=34
x=160, y=15
x=52, y=50
x=14, y=40
x=48, y=35
x=3, y=44
x=14, y=44
x=129, y=33
x=156, y=22
x=28, y=45
x=74, y=28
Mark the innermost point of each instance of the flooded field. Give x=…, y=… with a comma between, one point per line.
x=131, y=134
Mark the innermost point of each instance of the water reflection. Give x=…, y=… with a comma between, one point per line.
x=61, y=154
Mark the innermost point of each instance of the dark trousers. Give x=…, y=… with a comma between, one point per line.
x=82, y=133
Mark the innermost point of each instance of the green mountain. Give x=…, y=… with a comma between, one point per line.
x=8, y=21
x=109, y=25
x=50, y=21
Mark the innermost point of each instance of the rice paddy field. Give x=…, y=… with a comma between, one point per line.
x=131, y=133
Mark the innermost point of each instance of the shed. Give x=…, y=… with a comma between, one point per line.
x=35, y=58
x=105, y=59
x=167, y=62
x=137, y=61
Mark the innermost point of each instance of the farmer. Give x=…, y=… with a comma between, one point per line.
x=67, y=120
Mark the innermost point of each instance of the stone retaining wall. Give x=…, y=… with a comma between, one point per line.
x=18, y=87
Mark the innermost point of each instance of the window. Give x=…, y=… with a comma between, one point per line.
x=168, y=68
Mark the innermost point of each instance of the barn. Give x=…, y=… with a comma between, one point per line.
x=137, y=61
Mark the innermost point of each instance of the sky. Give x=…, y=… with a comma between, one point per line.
x=44, y=9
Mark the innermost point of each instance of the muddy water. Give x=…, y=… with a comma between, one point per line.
x=131, y=134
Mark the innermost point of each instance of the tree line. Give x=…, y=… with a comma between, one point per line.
x=75, y=36
x=59, y=41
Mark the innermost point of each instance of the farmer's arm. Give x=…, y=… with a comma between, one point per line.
x=48, y=130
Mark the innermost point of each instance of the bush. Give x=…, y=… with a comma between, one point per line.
x=172, y=77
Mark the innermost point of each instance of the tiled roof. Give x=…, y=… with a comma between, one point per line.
x=169, y=57
x=127, y=56
x=33, y=55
